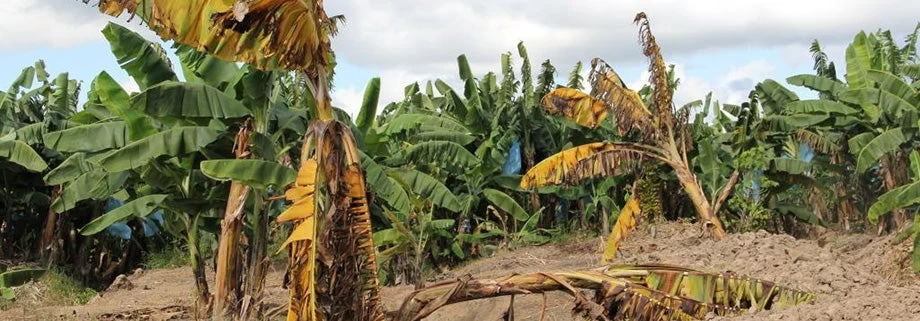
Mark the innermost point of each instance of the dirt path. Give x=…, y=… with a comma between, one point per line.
x=856, y=277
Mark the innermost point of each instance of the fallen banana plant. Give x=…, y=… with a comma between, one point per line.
x=653, y=292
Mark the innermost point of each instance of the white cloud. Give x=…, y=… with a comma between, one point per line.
x=57, y=24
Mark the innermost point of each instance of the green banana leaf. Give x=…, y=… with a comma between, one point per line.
x=506, y=204
x=90, y=138
x=174, y=142
x=441, y=153
x=384, y=186
x=22, y=154
x=188, y=100
x=887, y=142
x=818, y=83
x=143, y=60
x=96, y=185
x=117, y=101
x=858, y=59
x=69, y=169
x=256, y=173
x=369, y=105
x=140, y=207
x=427, y=187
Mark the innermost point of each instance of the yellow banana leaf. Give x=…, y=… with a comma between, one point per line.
x=628, y=108
x=587, y=161
x=626, y=223
x=552, y=170
x=268, y=34
x=576, y=106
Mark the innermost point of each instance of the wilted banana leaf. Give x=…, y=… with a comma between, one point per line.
x=20, y=153
x=174, y=142
x=144, y=61
x=256, y=173
x=626, y=223
x=269, y=34
x=506, y=204
x=436, y=153
x=576, y=106
x=579, y=163
x=90, y=138
x=188, y=100
x=427, y=187
x=140, y=207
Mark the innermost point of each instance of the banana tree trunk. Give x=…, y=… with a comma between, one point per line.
x=888, y=168
x=840, y=191
x=203, y=301
x=49, y=248
x=229, y=264
x=700, y=204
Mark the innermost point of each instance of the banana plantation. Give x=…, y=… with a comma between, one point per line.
x=544, y=191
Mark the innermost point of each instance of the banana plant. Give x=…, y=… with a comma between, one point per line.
x=657, y=132
x=902, y=197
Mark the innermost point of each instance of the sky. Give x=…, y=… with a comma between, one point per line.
x=723, y=47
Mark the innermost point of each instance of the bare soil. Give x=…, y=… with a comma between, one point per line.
x=856, y=277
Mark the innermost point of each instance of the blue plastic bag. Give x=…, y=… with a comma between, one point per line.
x=512, y=164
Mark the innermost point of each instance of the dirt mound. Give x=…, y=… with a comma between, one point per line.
x=857, y=277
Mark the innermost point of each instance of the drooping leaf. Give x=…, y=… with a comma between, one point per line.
x=70, y=169
x=404, y=122
x=443, y=135
x=790, y=165
x=438, y=153
x=900, y=197
x=818, y=83
x=19, y=277
x=253, y=172
x=140, y=207
x=20, y=153
x=139, y=57
x=628, y=108
x=174, y=142
x=626, y=222
x=578, y=163
x=90, y=138
x=286, y=34
x=506, y=204
x=887, y=142
x=384, y=186
x=96, y=185
x=802, y=213
x=188, y=100
x=576, y=106
x=427, y=187
x=819, y=106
